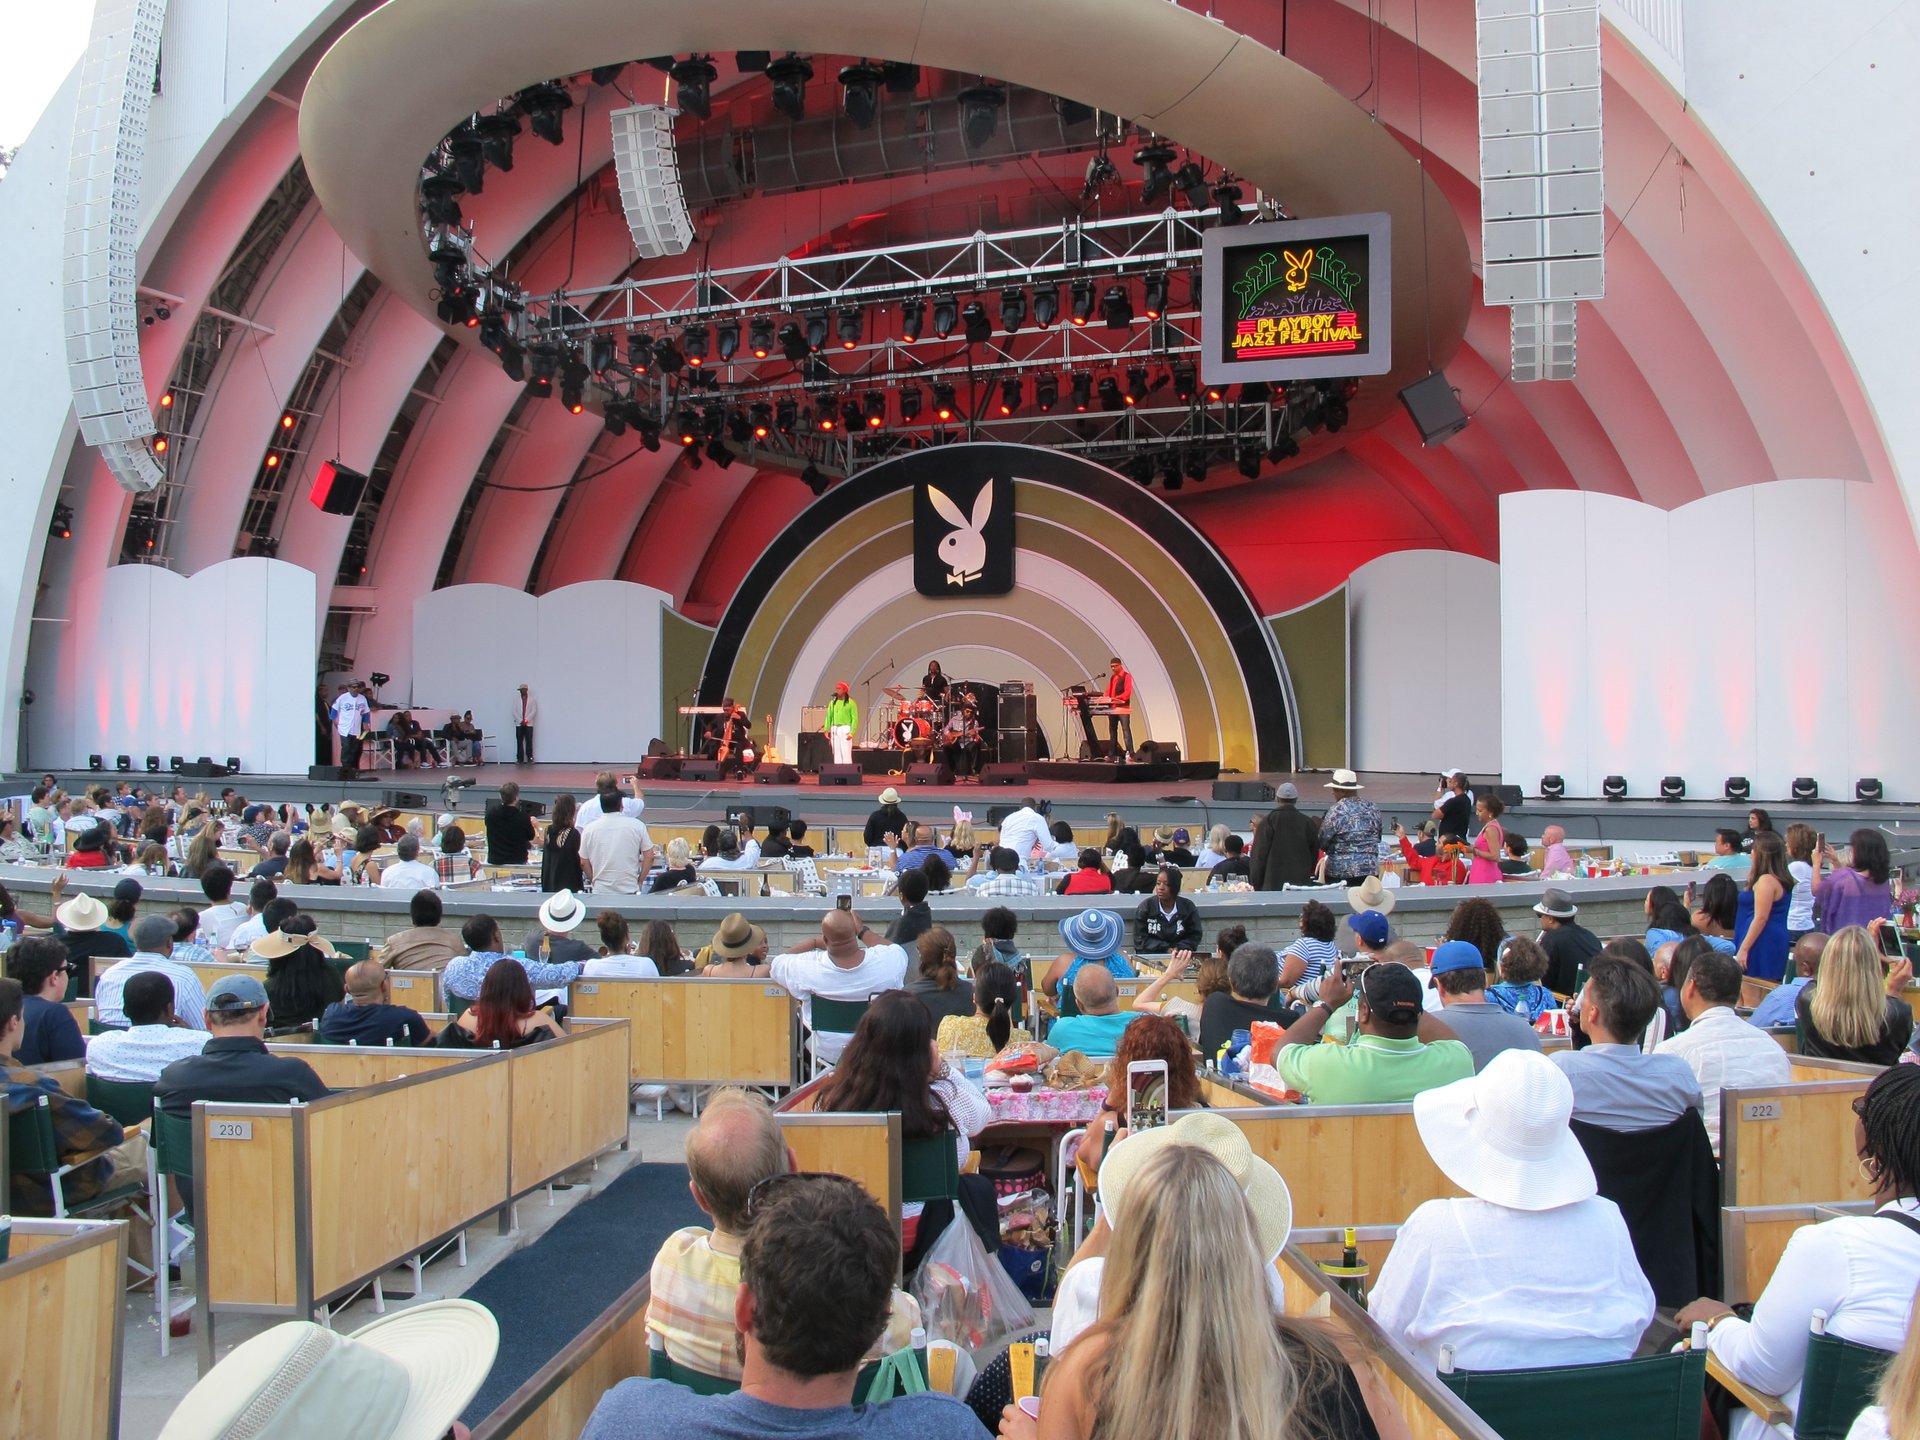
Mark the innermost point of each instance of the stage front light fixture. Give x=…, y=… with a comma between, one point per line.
x=1673, y=787
x=1553, y=787
x=848, y=325
x=1009, y=394
x=760, y=415
x=760, y=336
x=123, y=763
x=790, y=75
x=860, y=86
x=1738, y=789
x=1869, y=791
x=1614, y=787
x=94, y=762
x=946, y=314
x=1116, y=307
x=693, y=80
x=1046, y=305
x=943, y=402
x=1805, y=787
x=1013, y=308
x=913, y=318
x=153, y=764
x=1081, y=309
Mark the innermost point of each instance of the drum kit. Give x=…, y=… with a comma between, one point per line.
x=918, y=723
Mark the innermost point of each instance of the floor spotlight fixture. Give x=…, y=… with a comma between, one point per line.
x=1673, y=787
x=979, y=329
x=1116, y=307
x=861, y=86
x=94, y=762
x=1805, y=787
x=942, y=401
x=1155, y=161
x=1553, y=787
x=1868, y=791
x=693, y=80
x=1739, y=789
x=1013, y=308
x=1614, y=787
x=790, y=75
x=1009, y=394
x=153, y=764
x=980, y=107
x=1081, y=309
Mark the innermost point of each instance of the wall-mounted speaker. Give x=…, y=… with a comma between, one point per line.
x=337, y=490
x=1435, y=409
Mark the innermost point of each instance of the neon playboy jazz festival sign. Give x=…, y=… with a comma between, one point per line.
x=1296, y=300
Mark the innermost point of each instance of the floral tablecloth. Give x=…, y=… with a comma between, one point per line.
x=1073, y=1107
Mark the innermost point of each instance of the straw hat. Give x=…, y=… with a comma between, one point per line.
x=343, y=827
x=1345, y=780
x=1093, y=934
x=1503, y=1134
x=889, y=796
x=405, y=1376
x=1163, y=834
x=1266, y=1192
x=1370, y=894
x=82, y=912
x=562, y=912
x=736, y=937
x=281, y=942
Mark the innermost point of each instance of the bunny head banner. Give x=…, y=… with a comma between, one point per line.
x=962, y=531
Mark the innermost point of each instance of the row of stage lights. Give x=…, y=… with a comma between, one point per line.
x=1738, y=789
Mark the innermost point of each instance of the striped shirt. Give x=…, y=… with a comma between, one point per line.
x=1001, y=884
x=455, y=867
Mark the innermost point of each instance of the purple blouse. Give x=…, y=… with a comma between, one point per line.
x=1846, y=897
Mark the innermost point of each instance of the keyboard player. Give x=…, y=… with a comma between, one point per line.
x=1118, y=703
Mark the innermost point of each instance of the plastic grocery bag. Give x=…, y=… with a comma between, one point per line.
x=966, y=1297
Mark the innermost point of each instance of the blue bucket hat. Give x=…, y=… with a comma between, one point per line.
x=1093, y=934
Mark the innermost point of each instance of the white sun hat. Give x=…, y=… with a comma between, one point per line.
x=562, y=912
x=1503, y=1134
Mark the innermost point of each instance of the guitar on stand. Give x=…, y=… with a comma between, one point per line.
x=769, y=755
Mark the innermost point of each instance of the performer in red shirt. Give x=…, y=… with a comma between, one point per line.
x=1119, y=706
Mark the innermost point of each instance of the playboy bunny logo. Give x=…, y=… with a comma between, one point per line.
x=1299, y=268
x=964, y=550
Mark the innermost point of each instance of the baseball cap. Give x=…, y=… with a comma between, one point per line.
x=1393, y=992
x=1181, y=837
x=128, y=889
x=235, y=992
x=1287, y=791
x=1372, y=927
x=1457, y=955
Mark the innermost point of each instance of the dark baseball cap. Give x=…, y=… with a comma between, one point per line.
x=1392, y=992
x=1372, y=927
x=232, y=993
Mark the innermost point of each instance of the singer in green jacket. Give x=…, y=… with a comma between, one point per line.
x=843, y=719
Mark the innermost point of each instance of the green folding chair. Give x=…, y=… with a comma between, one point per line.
x=660, y=1367
x=169, y=1155
x=841, y=1017
x=1840, y=1380
x=94, y=1027
x=32, y=1150
x=1657, y=1398
x=128, y=1101
x=353, y=951
x=930, y=1168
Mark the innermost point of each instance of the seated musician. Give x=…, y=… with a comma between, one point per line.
x=961, y=741
x=729, y=733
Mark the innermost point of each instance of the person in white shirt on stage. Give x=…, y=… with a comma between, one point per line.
x=847, y=962
x=352, y=717
x=1722, y=1048
x=616, y=850
x=1533, y=1267
x=525, y=711
x=156, y=1037
x=1119, y=698
x=409, y=872
x=152, y=950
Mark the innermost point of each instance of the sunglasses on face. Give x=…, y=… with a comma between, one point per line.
x=758, y=1195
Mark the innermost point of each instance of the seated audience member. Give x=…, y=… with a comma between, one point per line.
x=618, y=957
x=1064, y=850
x=1859, y=1271
x=1487, y=1273
x=80, y=924
x=1776, y=1008
x=915, y=917
x=1523, y=964
x=889, y=1064
x=1557, y=864
x=1250, y=995
x=733, y=1150
x=307, y=865
x=1478, y=921
x=731, y=852
x=454, y=863
x=1237, y=865
x=48, y=1030
x=465, y=973
x=1215, y=850
x=660, y=945
x=999, y=929
x=1853, y=1010
x=1729, y=853
x=1568, y=944
x=560, y=915
x=1615, y=1086
x=409, y=871
x=1152, y=1037
x=1090, y=878
x=93, y=849
x=917, y=842
x=426, y=944
x=154, y=1039
x=847, y=961
x=1398, y=1051
x=1303, y=961
x=936, y=979
x=1170, y=847
x=152, y=950
x=1092, y=938
x=1138, y=876
x=504, y=1017
x=223, y=912
x=187, y=949
x=817, y=1262
x=273, y=865
x=1460, y=976
x=300, y=982
x=989, y=1028
x=1166, y=920
x=1191, y=1201
x=1210, y=977
x=1096, y=1030
x=235, y=1065
x=368, y=1015
x=1895, y=1412
x=738, y=951
x=260, y=895
x=1004, y=877
x=679, y=870
x=797, y=848
x=1517, y=860
x=1722, y=1049
x=1717, y=910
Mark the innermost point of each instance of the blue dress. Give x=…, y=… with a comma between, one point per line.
x=1767, y=959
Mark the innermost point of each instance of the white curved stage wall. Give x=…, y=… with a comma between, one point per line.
x=1744, y=634
x=590, y=653
x=218, y=664
x=1424, y=662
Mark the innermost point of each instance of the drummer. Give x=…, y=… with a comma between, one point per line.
x=933, y=684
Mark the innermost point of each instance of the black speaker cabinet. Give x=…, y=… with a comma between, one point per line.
x=1003, y=775
x=1435, y=409
x=776, y=775
x=328, y=772
x=1243, y=791
x=659, y=767
x=1510, y=796
x=842, y=775
x=708, y=770
x=929, y=775
x=204, y=770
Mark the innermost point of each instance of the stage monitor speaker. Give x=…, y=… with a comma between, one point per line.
x=1510, y=796
x=929, y=775
x=1012, y=748
x=842, y=775
x=414, y=800
x=1162, y=751
x=657, y=747
x=658, y=767
x=700, y=770
x=1243, y=791
x=776, y=775
x=329, y=772
x=337, y=490
x=1004, y=775
x=1435, y=408
x=204, y=770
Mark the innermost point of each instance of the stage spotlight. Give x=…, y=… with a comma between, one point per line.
x=61, y=527
x=737, y=428
x=545, y=365
x=1805, y=787
x=1614, y=787
x=438, y=192
x=546, y=106
x=693, y=345
x=469, y=161
x=1013, y=308
x=726, y=339
x=1192, y=182
x=910, y=398
x=978, y=328
x=599, y=353
x=1082, y=389
x=1116, y=307
x=1183, y=381
x=1227, y=196
x=667, y=358
x=614, y=418
x=1136, y=384
x=943, y=401
x=817, y=330
x=1249, y=461
x=1553, y=787
x=1155, y=294
x=814, y=480
x=1673, y=787
x=174, y=762
x=153, y=764
x=687, y=425
x=693, y=79
x=760, y=414
x=980, y=107
x=497, y=134
x=123, y=763
x=639, y=352
x=760, y=336
x=1170, y=477
x=1156, y=179
x=1284, y=447
x=1046, y=306
x=913, y=317
x=1739, y=789
x=902, y=78
x=875, y=403
x=1046, y=392
x=1335, y=410
x=718, y=452
x=1196, y=465
x=1869, y=791
x=573, y=384
x=649, y=428
x=1009, y=394
x=861, y=84
x=1110, y=397
x=945, y=315
x=847, y=326
x=823, y=418
x=1140, y=470
x=786, y=416
x=94, y=762
x=851, y=416
x=1082, y=305
x=793, y=342
x=790, y=75
x=1100, y=171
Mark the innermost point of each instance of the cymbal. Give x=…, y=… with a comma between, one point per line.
x=894, y=692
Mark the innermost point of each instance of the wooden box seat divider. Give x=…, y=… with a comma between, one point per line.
x=1345, y=1164
x=865, y=1146
x=555, y=1401
x=1754, y=1237
x=60, y=1288
x=700, y=1032
x=1791, y=1144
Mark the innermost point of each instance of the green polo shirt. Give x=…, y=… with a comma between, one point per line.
x=1374, y=1070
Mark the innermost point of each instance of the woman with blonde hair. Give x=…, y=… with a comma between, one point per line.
x=1851, y=1010
x=203, y=851
x=1897, y=1411
x=962, y=841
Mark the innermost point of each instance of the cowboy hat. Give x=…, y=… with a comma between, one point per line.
x=1370, y=894
x=1557, y=905
x=1503, y=1135
x=1345, y=780
x=82, y=912
x=1093, y=934
x=562, y=911
x=281, y=942
x=889, y=796
x=737, y=938
x=1266, y=1192
x=404, y=1376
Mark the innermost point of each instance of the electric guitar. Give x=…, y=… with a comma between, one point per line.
x=770, y=756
